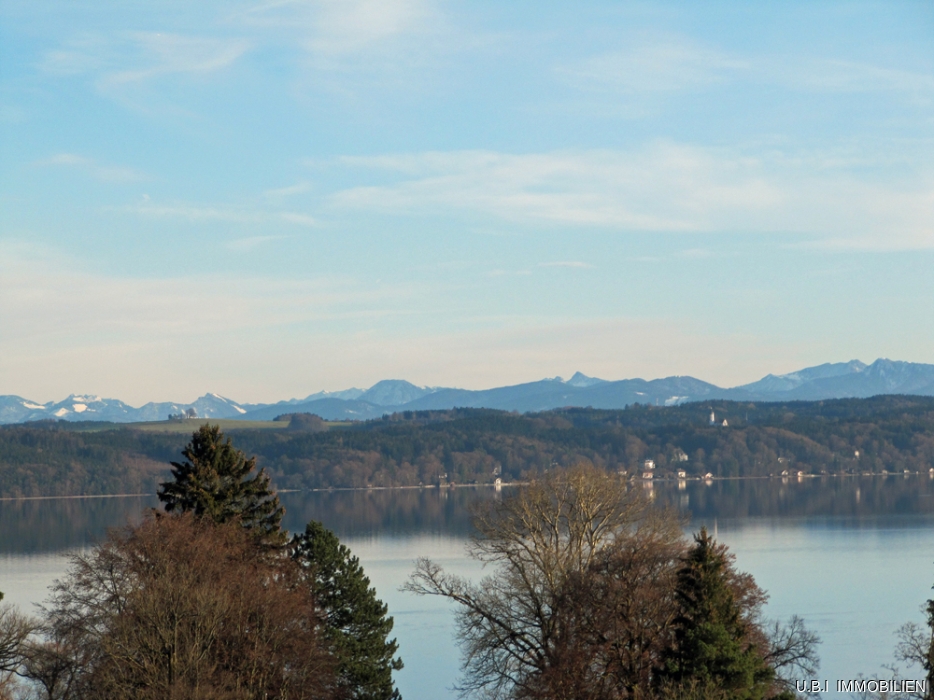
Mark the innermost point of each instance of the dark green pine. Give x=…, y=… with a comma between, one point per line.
x=712, y=646
x=215, y=482
x=356, y=622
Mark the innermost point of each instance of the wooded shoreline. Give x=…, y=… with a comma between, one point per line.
x=470, y=447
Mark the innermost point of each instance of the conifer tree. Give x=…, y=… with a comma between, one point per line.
x=714, y=647
x=214, y=482
x=357, y=626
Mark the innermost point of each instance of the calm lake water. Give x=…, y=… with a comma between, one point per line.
x=853, y=556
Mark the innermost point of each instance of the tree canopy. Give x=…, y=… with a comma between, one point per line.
x=214, y=482
x=181, y=607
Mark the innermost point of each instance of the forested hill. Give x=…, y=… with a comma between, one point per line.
x=887, y=433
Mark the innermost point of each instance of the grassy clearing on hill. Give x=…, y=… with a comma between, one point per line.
x=190, y=426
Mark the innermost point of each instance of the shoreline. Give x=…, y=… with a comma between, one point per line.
x=633, y=480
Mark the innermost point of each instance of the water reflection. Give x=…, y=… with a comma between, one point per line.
x=869, y=498
x=55, y=524
x=385, y=512
x=825, y=548
x=34, y=526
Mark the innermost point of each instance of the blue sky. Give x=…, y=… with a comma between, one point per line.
x=266, y=199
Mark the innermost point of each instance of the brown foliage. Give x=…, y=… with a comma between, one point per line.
x=615, y=617
x=181, y=608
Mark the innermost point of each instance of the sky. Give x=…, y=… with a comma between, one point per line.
x=268, y=199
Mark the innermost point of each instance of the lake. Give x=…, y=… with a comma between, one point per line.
x=854, y=556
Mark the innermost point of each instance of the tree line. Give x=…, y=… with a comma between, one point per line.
x=875, y=435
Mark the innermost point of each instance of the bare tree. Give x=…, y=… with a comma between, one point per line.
x=915, y=648
x=510, y=625
x=182, y=608
x=792, y=651
x=15, y=632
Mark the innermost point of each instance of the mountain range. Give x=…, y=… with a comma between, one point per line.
x=852, y=379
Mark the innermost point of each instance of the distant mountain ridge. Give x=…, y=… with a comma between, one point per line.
x=852, y=379
x=14, y=409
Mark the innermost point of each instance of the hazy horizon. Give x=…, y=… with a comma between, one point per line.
x=365, y=387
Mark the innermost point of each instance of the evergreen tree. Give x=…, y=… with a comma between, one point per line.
x=214, y=482
x=357, y=626
x=713, y=645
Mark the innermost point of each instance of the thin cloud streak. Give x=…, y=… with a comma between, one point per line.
x=667, y=64
x=567, y=263
x=246, y=245
x=835, y=75
x=289, y=191
x=128, y=60
x=195, y=213
x=105, y=173
x=665, y=187
x=173, y=54
x=670, y=64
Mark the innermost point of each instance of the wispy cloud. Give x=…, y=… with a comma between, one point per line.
x=131, y=58
x=289, y=191
x=292, y=217
x=251, y=243
x=836, y=75
x=655, y=65
x=342, y=26
x=196, y=213
x=663, y=187
x=80, y=55
x=354, y=47
x=349, y=25
x=658, y=64
x=108, y=173
x=567, y=263
x=166, y=54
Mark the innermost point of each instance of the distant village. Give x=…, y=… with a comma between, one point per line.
x=648, y=467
